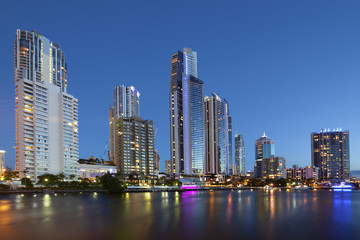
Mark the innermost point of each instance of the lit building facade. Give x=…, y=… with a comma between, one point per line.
x=300, y=174
x=330, y=153
x=273, y=168
x=2, y=162
x=217, y=136
x=168, y=167
x=126, y=103
x=134, y=150
x=156, y=160
x=239, y=155
x=91, y=171
x=264, y=148
x=187, y=136
x=46, y=116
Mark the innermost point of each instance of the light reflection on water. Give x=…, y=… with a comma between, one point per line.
x=189, y=215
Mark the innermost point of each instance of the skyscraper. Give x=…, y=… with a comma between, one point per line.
x=330, y=153
x=46, y=115
x=264, y=148
x=126, y=103
x=239, y=155
x=217, y=136
x=230, y=136
x=134, y=141
x=2, y=161
x=187, y=137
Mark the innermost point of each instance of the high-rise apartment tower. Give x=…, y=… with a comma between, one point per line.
x=46, y=115
x=217, y=135
x=239, y=155
x=134, y=142
x=187, y=136
x=126, y=103
x=330, y=153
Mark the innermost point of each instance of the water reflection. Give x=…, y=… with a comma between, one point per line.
x=174, y=215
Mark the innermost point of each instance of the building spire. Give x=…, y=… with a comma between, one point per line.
x=264, y=135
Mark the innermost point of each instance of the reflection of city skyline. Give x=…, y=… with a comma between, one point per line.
x=260, y=214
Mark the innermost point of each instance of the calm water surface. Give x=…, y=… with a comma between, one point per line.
x=188, y=215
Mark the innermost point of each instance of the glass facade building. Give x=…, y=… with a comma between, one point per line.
x=217, y=135
x=239, y=168
x=187, y=136
x=330, y=153
x=264, y=148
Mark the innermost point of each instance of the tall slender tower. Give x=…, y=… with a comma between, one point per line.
x=330, y=153
x=239, y=154
x=229, y=142
x=187, y=137
x=46, y=115
x=126, y=103
x=217, y=135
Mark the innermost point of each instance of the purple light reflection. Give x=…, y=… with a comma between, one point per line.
x=189, y=187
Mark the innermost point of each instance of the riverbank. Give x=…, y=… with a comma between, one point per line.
x=22, y=191
x=150, y=189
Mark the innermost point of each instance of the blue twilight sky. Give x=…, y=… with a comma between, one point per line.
x=286, y=67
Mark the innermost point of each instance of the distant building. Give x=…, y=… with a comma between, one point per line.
x=168, y=167
x=312, y=172
x=187, y=132
x=273, y=168
x=134, y=146
x=217, y=136
x=230, y=137
x=126, y=103
x=91, y=171
x=297, y=173
x=264, y=148
x=156, y=160
x=46, y=116
x=330, y=153
x=239, y=155
x=2, y=162
x=95, y=161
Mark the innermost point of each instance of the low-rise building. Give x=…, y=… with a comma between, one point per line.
x=273, y=167
x=297, y=173
x=91, y=171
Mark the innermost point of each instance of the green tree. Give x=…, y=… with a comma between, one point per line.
x=10, y=175
x=113, y=184
x=282, y=182
x=48, y=179
x=27, y=182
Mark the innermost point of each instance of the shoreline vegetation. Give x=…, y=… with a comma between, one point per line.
x=117, y=183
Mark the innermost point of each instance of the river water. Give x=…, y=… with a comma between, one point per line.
x=238, y=214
